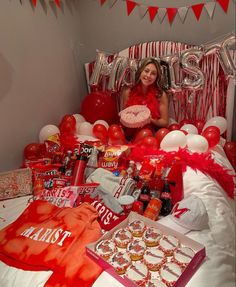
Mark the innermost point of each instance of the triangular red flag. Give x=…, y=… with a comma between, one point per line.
x=152, y=12
x=102, y=2
x=34, y=3
x=58, y=3
x=130, y=6
x=197, y=9
x=171, y=12
x=224, y=4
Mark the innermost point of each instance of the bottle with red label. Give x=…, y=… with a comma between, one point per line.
x=144, y=196
x=166, y=199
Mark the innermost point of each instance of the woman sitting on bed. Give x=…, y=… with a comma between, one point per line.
x=148, y=91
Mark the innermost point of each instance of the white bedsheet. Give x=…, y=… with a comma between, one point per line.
x=218, y=269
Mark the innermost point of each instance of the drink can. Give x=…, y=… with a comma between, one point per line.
x=138, y=207
x=153, y=209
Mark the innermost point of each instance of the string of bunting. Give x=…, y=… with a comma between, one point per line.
x=171, y=12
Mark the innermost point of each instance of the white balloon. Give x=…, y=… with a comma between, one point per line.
x=218, y=122
x=173, y=141
x=47, y=131
x=79, y=118
x=85, y=128
x=197, y=143
x=189, y=128
x=102, y=122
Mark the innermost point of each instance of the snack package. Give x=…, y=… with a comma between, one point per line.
x=114, y=158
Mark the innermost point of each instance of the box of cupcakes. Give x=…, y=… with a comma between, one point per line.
x=142, y=252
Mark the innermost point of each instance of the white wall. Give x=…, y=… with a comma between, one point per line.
x=42, y=56
x=40, y=73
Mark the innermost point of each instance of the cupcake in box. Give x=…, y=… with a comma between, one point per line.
x=105, y=248
x=168, y=244
x=120, y=261
x=136, y=249
x=138, y=273
x=122, y=237
x=152, y=236
x=137, y=228
x=154, y=258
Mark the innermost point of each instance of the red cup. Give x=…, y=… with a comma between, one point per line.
x=126, y=202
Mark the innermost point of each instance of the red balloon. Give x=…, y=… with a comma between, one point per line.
x=117, y=138
x=212, y=134
x=150, y=142
x=199, y=124
x=114, y=128
x=67, y=124
x=142, y=134
x=68, y=119
x=67, y=127
x=174, y=127
x=230, y=149
x=99, y=106
x=34, y=151
x=160, y=134
x=100, y=132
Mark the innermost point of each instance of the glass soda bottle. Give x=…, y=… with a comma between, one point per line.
x=166, y=199
x=144, y=196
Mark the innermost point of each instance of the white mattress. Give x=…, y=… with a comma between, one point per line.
x=217, y=270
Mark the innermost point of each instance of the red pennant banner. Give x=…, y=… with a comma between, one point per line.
x=152, y=12
x=224, y=4
x=197, y=9
x=171, y=12
x=58, y=3
x=102, y=2
x=130, y=6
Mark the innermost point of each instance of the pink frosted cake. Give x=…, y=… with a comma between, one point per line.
x=152, y=236
x=168, y=244
x=120, y=262
x=183, y=256
x=122, y=237
x=154, y=258
x=135, y=116
x=169, y=273
x=136, y=249
x=105, y=248
x=138, y=273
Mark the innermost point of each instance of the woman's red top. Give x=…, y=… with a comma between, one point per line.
x=136, y=97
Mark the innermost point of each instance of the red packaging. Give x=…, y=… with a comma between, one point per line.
x=153, y=209
x=78, y=173
x=138, y=207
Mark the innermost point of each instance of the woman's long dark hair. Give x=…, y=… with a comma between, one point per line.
x=155, y=62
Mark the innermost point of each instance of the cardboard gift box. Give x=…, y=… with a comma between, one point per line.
x=193, y=265
x=15, y=183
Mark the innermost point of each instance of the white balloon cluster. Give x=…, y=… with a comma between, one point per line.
x=194, y=142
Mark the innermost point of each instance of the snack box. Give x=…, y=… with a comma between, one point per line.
x=188, y=272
